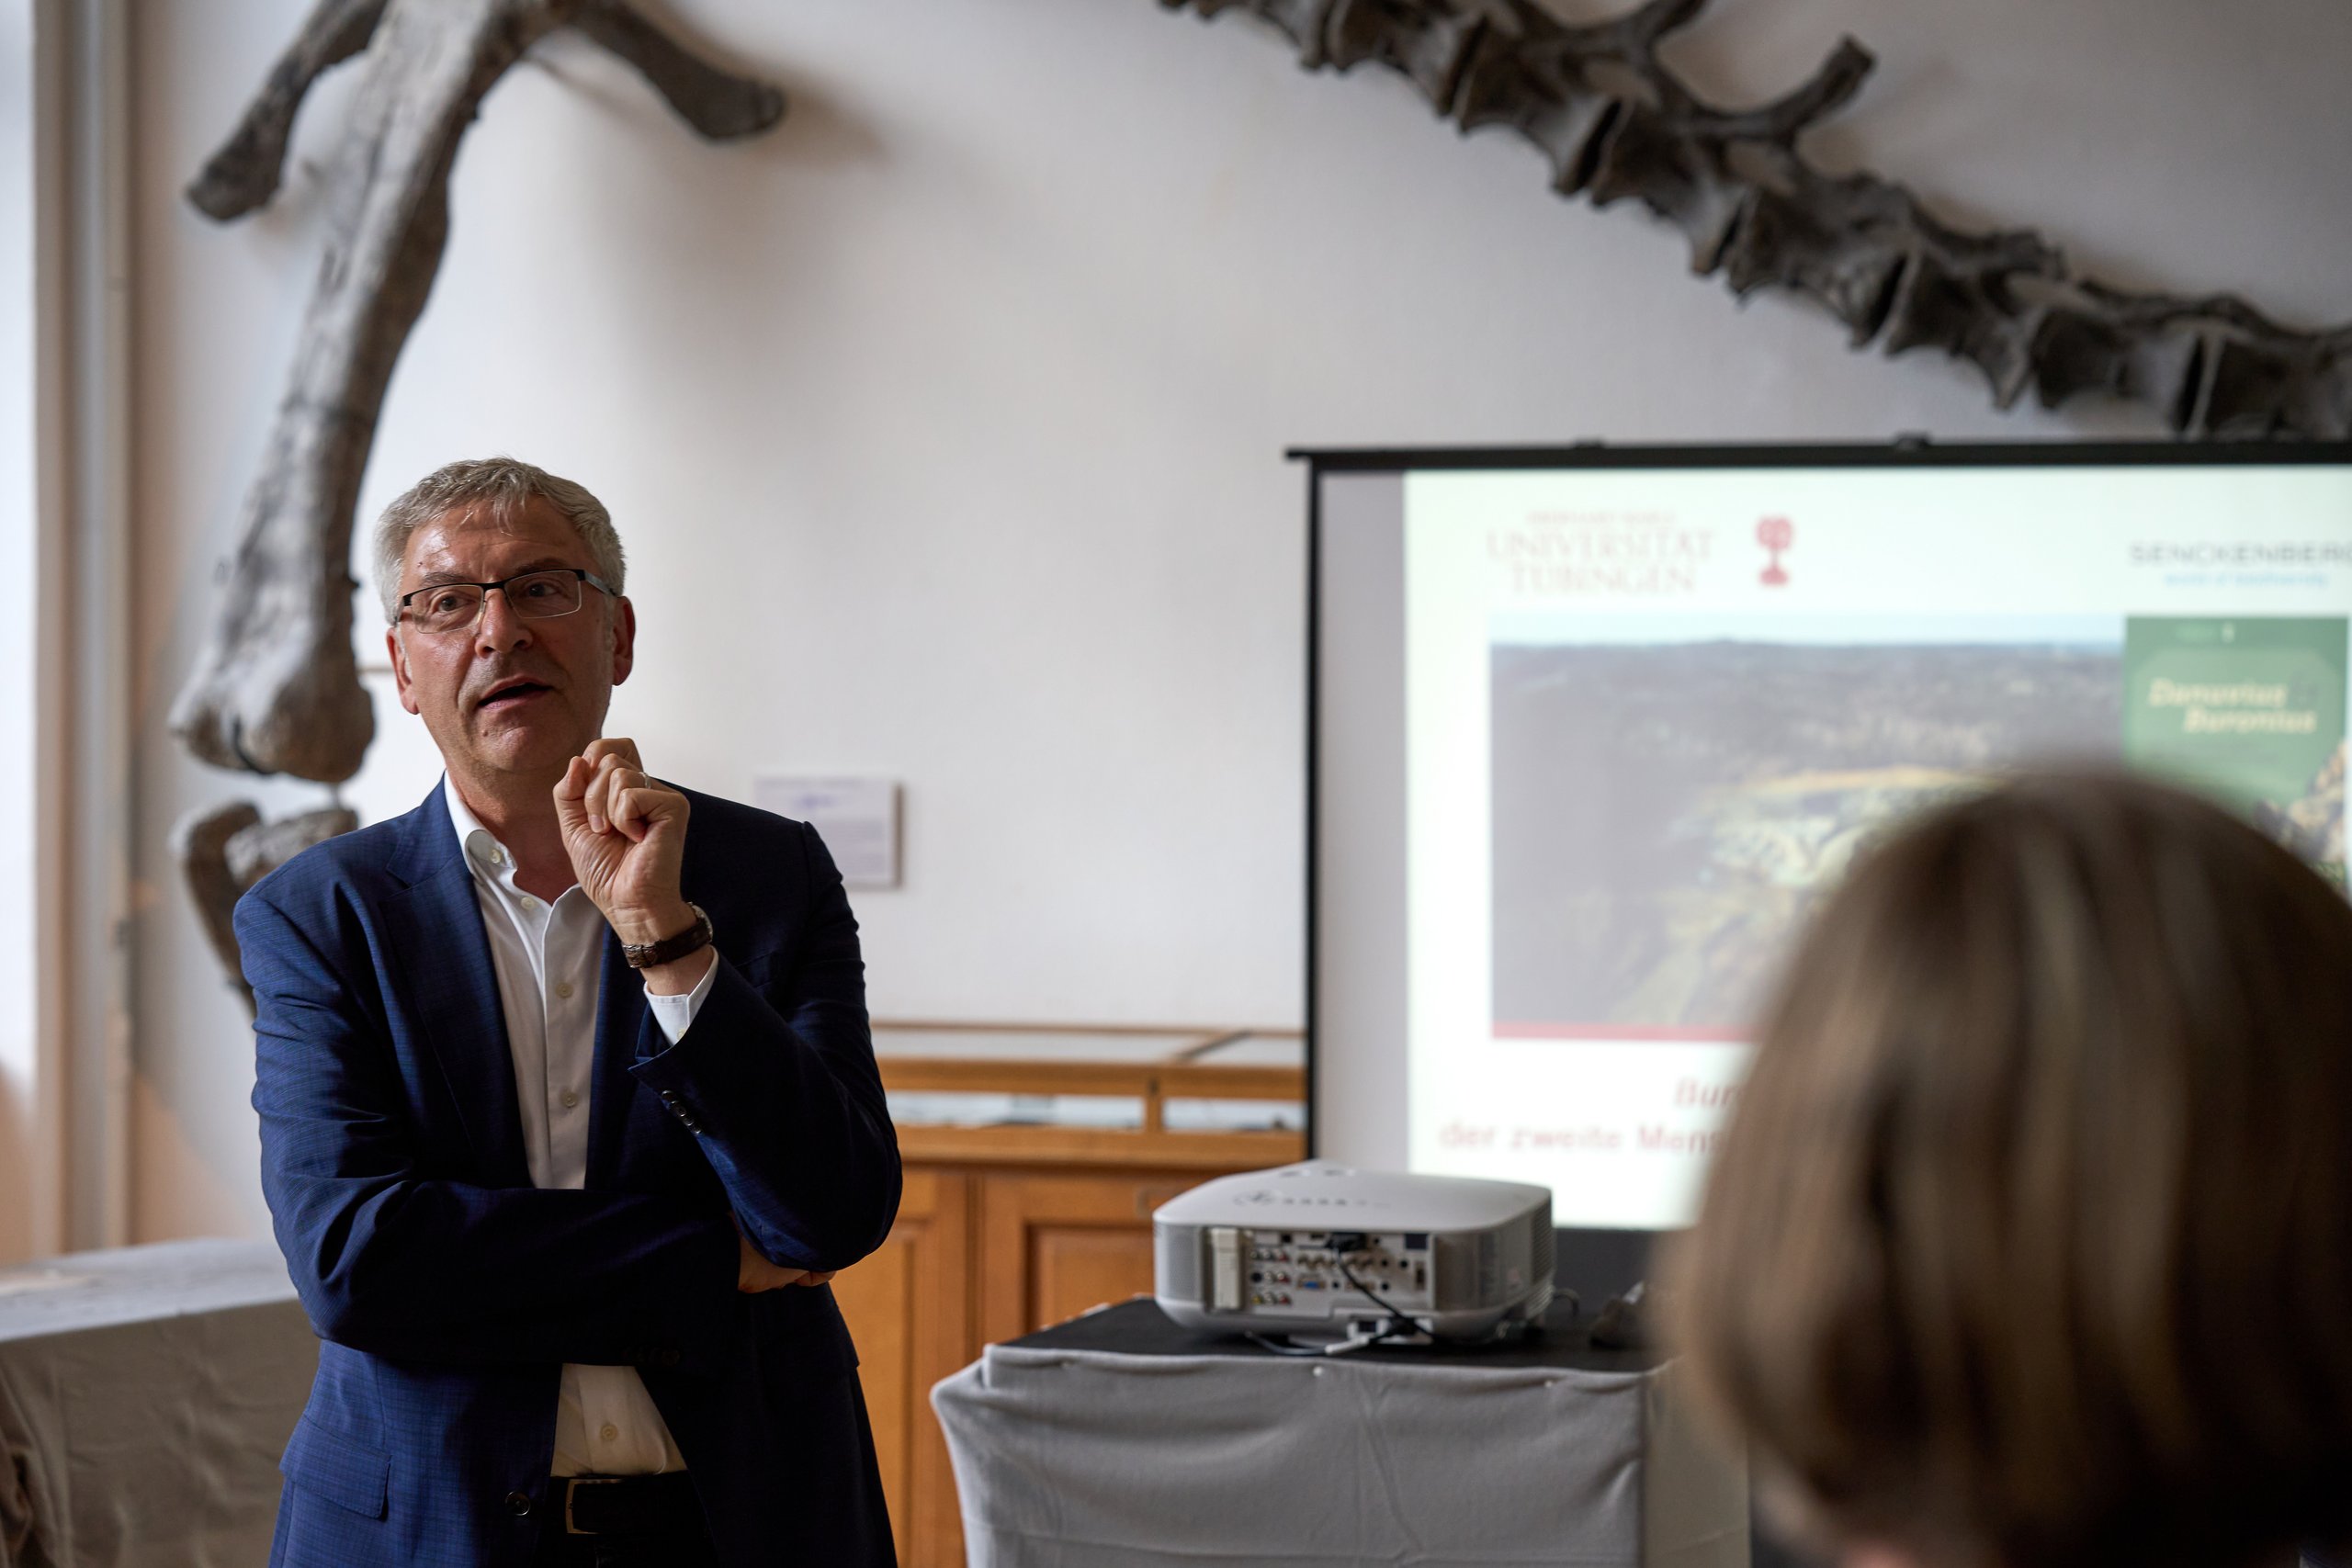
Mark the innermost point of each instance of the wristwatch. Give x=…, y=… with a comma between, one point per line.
x=670, y=949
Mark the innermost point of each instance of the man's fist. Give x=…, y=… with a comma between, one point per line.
x=625, y=835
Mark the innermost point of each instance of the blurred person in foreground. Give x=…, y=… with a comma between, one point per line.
x=2030, y=1242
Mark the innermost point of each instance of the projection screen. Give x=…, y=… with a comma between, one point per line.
x=1591, y=728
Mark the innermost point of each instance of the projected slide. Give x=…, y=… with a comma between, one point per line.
x=1665, y=811
x=1653, y=715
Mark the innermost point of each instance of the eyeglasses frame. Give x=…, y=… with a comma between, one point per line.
x=581, y=573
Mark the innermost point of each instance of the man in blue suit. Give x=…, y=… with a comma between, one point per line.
x=567, y=1108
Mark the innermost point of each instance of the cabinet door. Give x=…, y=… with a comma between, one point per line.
x=909, y=1309
x=1051, y=1247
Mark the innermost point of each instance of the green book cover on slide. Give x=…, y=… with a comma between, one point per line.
x=2250, y=709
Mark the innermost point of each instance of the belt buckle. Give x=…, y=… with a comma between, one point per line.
x=571, y=1485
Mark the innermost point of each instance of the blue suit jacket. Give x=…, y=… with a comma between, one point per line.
x=447, y=1291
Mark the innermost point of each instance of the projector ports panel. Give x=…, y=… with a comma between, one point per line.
x=1296, y=1275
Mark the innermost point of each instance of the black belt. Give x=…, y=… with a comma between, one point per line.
x=629, y=1504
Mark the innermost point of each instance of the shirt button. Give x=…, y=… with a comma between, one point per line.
x=570, y=1098
x=518, y=1503
x=563, y=988
x=610, y=1433
x=529, y=902
x=498, y=857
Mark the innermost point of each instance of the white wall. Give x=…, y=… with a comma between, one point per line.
x=945, y=425
x=19, y=662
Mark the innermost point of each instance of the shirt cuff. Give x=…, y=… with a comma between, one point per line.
x=676, y=1013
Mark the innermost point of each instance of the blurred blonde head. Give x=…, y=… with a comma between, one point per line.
x=2030, y=1242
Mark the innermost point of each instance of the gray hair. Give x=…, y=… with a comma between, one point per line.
x=501, y=487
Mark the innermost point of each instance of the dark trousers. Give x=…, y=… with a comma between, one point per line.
x=560, y=1551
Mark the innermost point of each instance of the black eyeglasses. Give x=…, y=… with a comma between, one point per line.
x=536, y=595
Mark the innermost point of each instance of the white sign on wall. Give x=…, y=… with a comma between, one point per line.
x=858, y=819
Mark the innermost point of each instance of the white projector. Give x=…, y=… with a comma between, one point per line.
x=1321, y=1250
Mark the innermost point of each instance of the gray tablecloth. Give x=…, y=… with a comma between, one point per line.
x=145, y=1396
x=1095, y=1459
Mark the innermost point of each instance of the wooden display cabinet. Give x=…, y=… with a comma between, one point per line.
x=1034, y=1157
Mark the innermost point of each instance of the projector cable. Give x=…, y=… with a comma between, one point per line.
x=1345, y=1241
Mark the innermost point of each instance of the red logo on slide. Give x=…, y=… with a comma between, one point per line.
x=1775, y=534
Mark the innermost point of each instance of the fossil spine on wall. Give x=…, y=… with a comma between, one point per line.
x=1615, y=122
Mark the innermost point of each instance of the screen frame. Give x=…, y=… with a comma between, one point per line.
x=1624, y=1248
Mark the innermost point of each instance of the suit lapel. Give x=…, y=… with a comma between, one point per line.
x=441, y=954
x=621, y=1018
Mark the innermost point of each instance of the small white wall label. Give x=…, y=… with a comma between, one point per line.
x=858, y=819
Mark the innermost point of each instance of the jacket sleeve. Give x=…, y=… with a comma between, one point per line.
x=776, y=1078
x=395, y=1263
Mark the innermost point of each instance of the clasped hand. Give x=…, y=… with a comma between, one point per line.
x=754, y=1273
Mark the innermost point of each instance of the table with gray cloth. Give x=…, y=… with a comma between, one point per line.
x=145, y=1396
x=1123, y=1441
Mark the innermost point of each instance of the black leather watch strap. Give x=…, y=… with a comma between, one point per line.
x=670, y=949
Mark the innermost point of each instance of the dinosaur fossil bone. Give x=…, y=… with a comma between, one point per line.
x=1616, y=122
x=276, y=689
x=223, y=850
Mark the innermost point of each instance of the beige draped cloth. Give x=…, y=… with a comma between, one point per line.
x=145, y=1396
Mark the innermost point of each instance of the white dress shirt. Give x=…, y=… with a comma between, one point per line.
x=549, y=963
